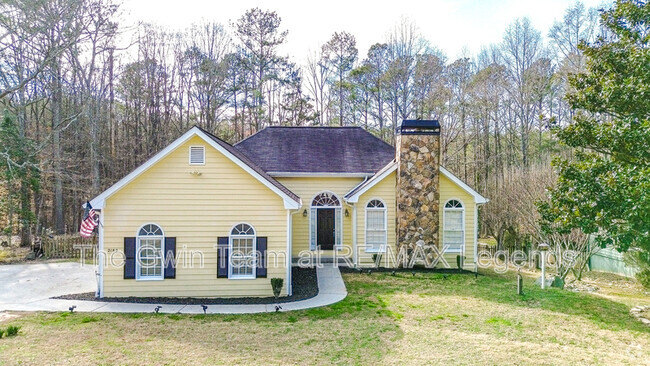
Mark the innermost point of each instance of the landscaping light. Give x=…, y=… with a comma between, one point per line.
x=205, y=309
x=157, y=309
x=71, y=308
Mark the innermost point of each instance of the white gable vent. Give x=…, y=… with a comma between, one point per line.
x=197, y=155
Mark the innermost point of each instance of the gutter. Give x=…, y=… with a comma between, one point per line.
x=476, y=233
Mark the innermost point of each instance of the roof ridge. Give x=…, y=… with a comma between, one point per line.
x=351, y=127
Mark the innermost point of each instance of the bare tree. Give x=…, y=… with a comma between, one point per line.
x=522, y=46
x=318, y=73
x=340, y=54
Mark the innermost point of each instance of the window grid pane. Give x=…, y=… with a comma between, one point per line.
x=150, y=257
x=453, y=234
x=375, y=229
x=375, y=220
x=243, y=256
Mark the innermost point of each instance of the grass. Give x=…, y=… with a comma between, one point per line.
x=385, y=319
x=13, y=254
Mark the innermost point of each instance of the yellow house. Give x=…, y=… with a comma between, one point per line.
x=203, y=218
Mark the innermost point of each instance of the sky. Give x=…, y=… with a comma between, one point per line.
x=457, y=27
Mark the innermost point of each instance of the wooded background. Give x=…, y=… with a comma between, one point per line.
x=79, y=112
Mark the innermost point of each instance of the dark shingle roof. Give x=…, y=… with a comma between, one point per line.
x=317, y=150
x=251, y=164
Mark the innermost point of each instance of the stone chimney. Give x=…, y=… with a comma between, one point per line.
x=418, y=182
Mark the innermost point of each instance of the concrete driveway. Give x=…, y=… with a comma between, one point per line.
x=28, y=283
x=29, y=288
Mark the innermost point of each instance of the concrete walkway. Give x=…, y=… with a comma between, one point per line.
x=331, y=289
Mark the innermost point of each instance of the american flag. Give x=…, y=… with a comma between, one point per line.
x=89, y=222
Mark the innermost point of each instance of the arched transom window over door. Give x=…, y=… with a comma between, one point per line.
x=454, y=226
x=325, y=222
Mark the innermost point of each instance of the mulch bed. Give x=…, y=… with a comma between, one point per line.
x=305, y=286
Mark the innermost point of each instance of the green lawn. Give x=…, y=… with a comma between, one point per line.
x=386, y=319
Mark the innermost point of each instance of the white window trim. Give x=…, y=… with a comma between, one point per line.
x=190, y=154
x=232, y=276
x=444, y=211
x=312, y=209
x=385, y=211
x=138, y=266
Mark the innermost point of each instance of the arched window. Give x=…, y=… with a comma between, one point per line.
x=149, y=253
x=325, y=222
x=376, y=226
x=326, y=199
x=454, y=226
x=242, y=248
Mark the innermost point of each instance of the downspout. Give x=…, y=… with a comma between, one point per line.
x=290, y=249
x=354, y=236
x=476, y=236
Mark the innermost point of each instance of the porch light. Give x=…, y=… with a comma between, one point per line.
x=304, y=213
x=347, y=213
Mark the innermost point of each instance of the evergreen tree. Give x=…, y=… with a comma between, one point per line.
x=605, y=189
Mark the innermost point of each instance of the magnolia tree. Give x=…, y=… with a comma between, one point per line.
x=604, y=190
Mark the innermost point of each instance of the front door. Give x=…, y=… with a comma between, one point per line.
x=326, y=228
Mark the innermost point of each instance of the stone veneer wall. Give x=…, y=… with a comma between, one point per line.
x=418, y=189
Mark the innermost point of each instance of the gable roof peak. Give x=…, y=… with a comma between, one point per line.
x=291, y=200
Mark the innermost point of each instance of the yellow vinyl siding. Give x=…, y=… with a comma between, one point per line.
x=384, y=190
x=450, y=190
x=196, y=209
x=306, y=188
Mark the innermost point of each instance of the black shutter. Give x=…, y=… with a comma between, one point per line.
x=261, y=261
x=170, y=257
x=222, y=257
x=129, y=258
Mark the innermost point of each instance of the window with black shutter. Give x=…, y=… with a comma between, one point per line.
x=222, y=257
x=129, y=258
x=261, y=260
x=170, y=258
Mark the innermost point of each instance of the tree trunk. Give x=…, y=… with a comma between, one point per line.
x=57, y=97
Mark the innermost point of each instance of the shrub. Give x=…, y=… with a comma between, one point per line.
x=641, y=260
x=2, y=332
x=276, y=285
x=12, y=330
x=644, y=277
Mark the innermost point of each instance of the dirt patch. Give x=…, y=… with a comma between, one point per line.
x=304, y=280
x=4, y=316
